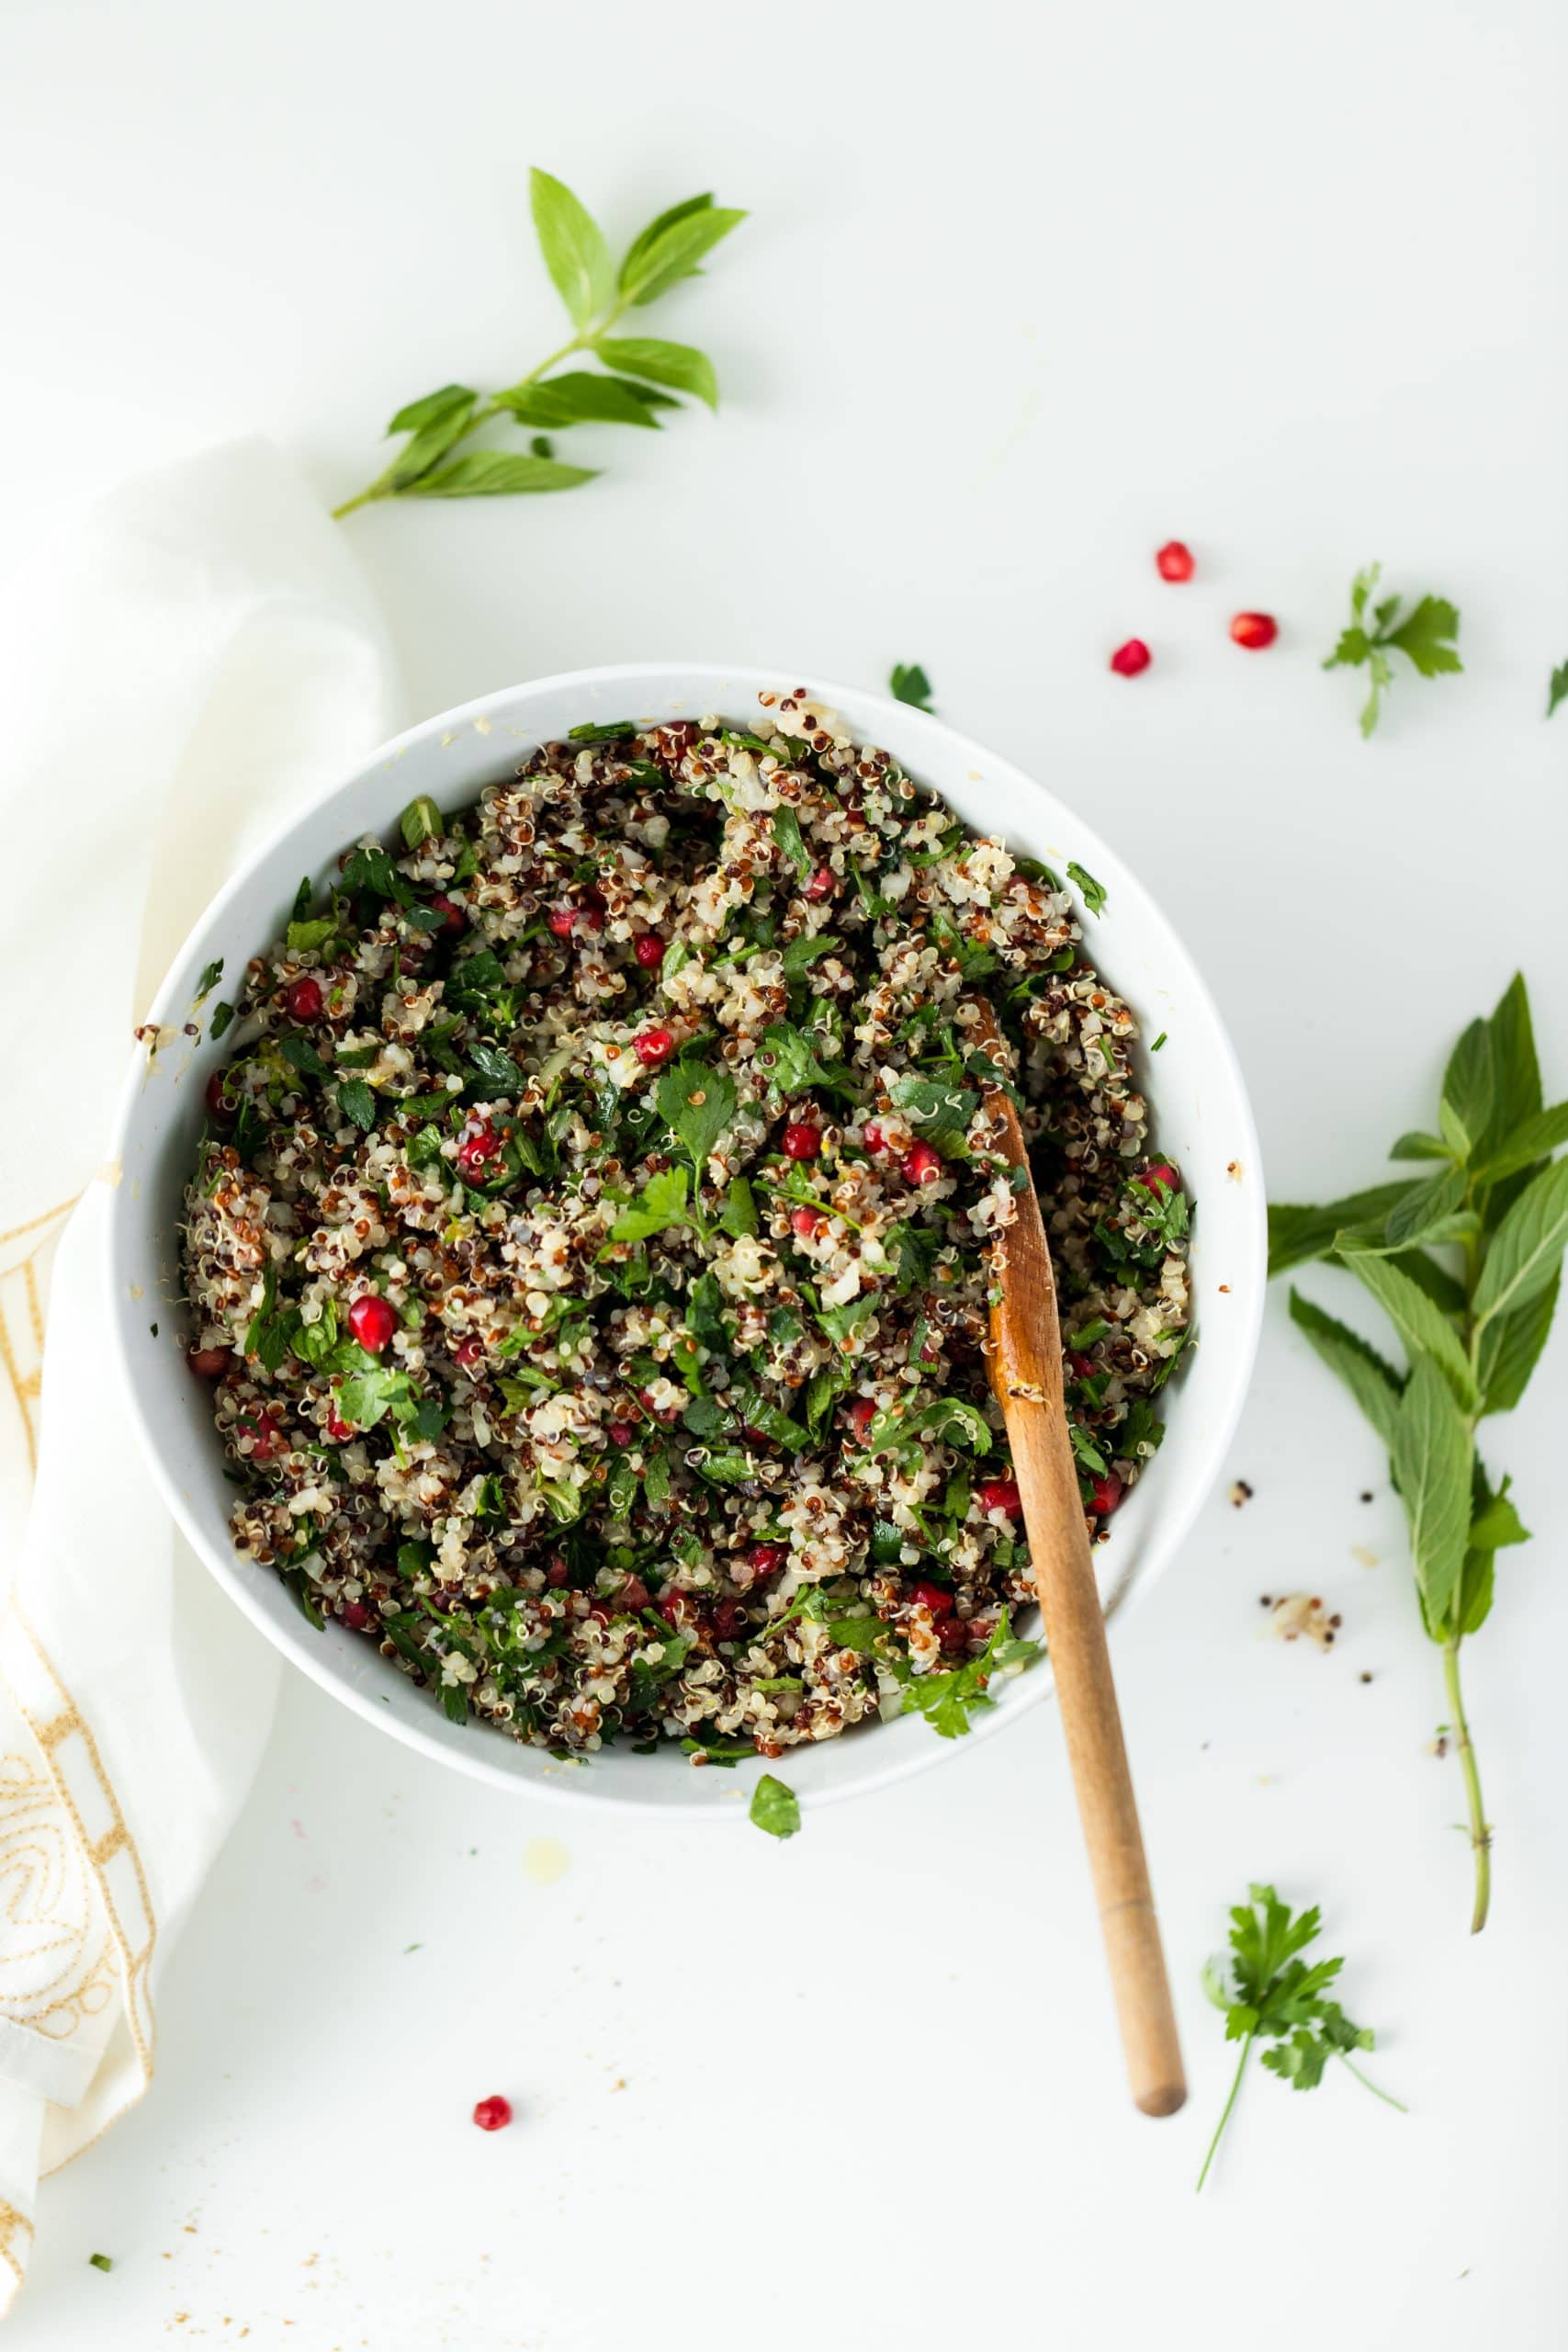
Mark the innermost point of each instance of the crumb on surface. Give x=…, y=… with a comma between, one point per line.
x=1295, y=1613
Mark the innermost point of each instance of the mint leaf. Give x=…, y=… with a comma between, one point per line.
x=1532, y=1140
x=421, y=822
x=1469, y=1088
x=1297, y=1234
x=579, y=398
x=1524, y=1254
x=429, y=446
x=574, y=249
x=1510, y=1348
x=357, y=1104
x=1432, y=1457
x=1374, y=1385
x=497, y=473
x=774, y=1807
x=429, y=411
x=1557, y=687
x=677, y=364
x=1426, y=1332
x=671, y=247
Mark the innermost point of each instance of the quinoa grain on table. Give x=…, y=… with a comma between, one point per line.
x=589, y=1245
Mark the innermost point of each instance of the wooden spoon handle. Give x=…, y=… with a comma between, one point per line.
x=1092, y=1723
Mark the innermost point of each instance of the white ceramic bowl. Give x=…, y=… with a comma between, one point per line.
x=1203, y=1122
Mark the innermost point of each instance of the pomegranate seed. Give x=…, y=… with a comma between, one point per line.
x=649, y=950
x=673, y=1606
x=821, y=884
x=562, y=921
x=932, y=1597
x=1081, y=1364
x=355, y=1616
x=953, y=1635
x=336, y=1428
x=1129, y=658
x=633, y=1594
x=267, y=1437
x=922, y=1164
x=218, y=1103
x=1000, y=1494
x=1162, y=1172
x=767, y=1559
x=303, y=1000
x=805, y=1222
x=863, y=1412
x=653, y=1047
x=872, y=1136
x=476, y=1150
x=622, y=1434
x=601, y=1612
x=468, y=1352
x=801, y=1141
x=727, y=1619
x=557, y=1572
x=372, y=1322
x=455, y=918
x=1175, y=562
x=209, y=1363
x=593, y=914
x=1255, y=631
x=1104, y=1495
x=493, y=2114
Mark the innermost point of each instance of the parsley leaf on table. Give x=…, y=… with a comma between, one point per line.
x=1275, y=1995
x=909, y=684
x=1557, y=687
x=1425, y=637
x=775, y=1807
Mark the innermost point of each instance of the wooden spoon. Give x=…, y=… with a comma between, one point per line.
x=1026, y=1376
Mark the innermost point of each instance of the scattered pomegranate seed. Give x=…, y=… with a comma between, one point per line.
x=953, y=1635
x=633, y=1594
x=1082, y=1366
x=1175, y=562
x=211, y=1363
x=267, y=1435
x=821, y=884
x=475, y=1151
x=1161, y=1172
x=557, y=1573
x=922, y=1164
x=673, y=1606
x=622, y=1433
x=562, y=921
x=468, y=1352
x=1000, y=1494
x=493, y=2114
x=1255, y=631
x=648, y=949
x=455, y=918
x=1129, y=658
x=932, y=1597
x=801, y=1140
x=336, y=1428
x=593, y=910
x=372, y=1322
x=653, y=1047
x=767, y=1559
x=863, y=1412
x=805, y=1223
x=222, y=1111
x=727, y=1619
x=304, y=1000
x=872, y=1136
x=601, y=1612
x=1104, y=1495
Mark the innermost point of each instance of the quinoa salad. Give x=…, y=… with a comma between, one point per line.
x=590, y=1246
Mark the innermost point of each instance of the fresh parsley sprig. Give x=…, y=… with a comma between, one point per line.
x=1466, y=1263
x=909, y=682
x=644, y=373
x=1557, y=687
x=1425, y=637
x=1275, y=1995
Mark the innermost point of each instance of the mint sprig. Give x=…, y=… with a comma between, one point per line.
x=643, y=373
x=1466, y=1263
x=1424, y=636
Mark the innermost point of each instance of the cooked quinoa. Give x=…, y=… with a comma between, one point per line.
x=589, y=1244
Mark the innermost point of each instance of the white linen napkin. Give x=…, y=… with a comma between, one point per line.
x=196, y=656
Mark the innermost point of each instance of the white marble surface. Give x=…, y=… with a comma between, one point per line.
x=1019, y=300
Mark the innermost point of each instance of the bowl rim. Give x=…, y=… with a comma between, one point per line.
x=301, y=1646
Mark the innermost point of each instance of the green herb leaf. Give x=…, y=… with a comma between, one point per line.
x=1468, y=1090
x=659, y=1205
x=496, y=1069
x=1531, y=1141
x=909, y=682
x=1526, y=1251
x=1426, y=1331
x=671, y=247
x=677, y=364
x=577, y=398
x=1298, y=1234
x=1425, y=638
x=947, y=1700
x=497, y=473
x=1374, y=1385
x=421, y=822
x=429, y=411
x=574, y=249
x=774, y=1807
x=1093, y=891
x=1510, y=1346
x=429, y=446
x=698, y=1103
x=788, y=834
x=1432, y=1457
x=1416, y=1145
x=1557, y=687
x=210, y=975
x=357, y=1104
x=101, y=2261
